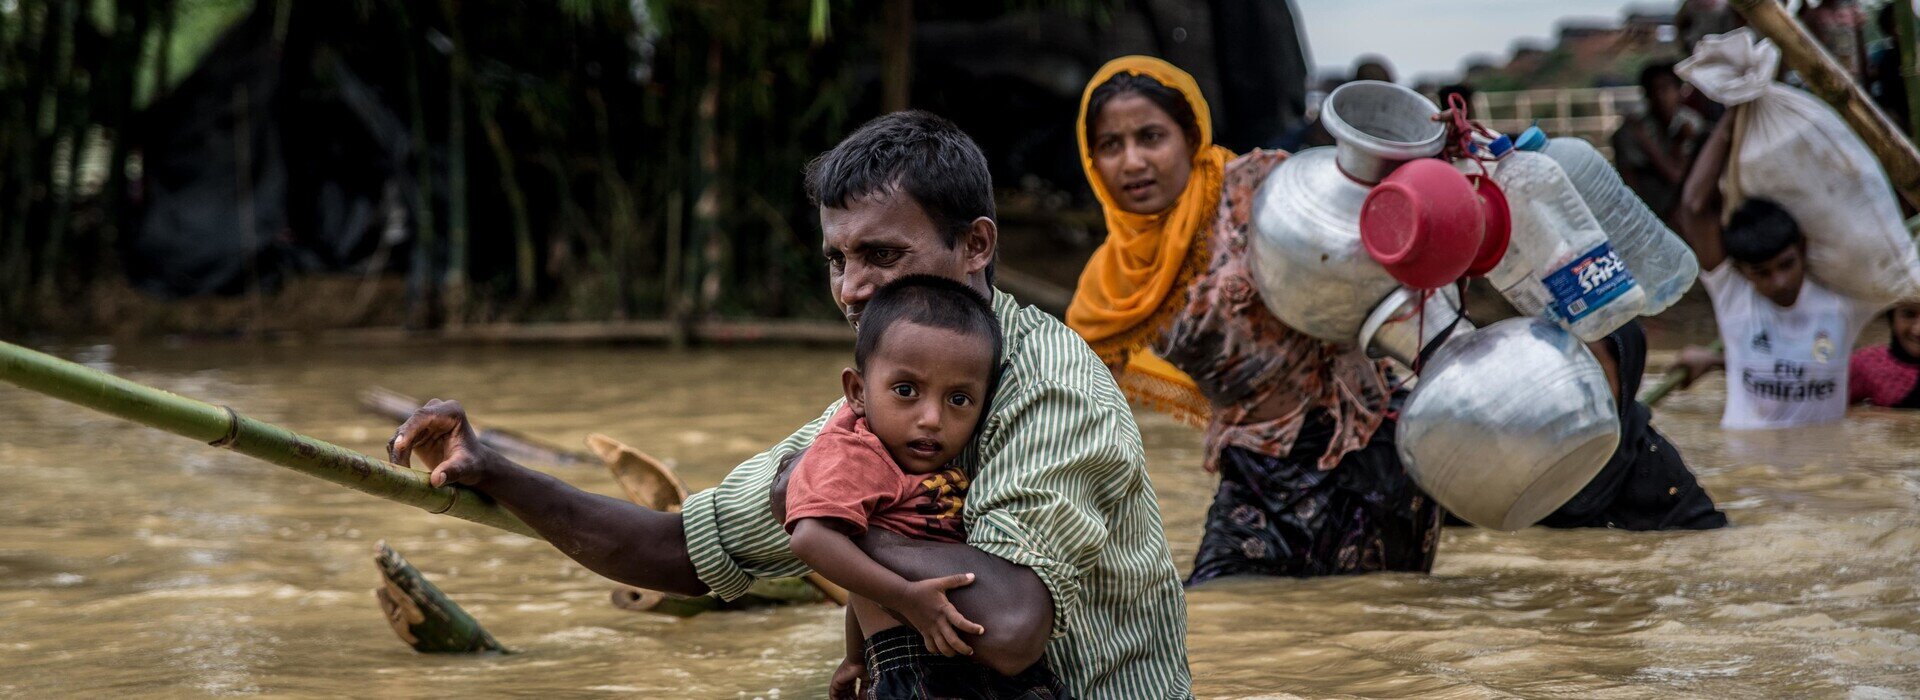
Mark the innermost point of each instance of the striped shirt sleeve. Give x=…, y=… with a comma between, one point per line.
x=732, y=536
x=1048, y=461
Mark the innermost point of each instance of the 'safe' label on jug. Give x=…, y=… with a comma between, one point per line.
x=1588, y=282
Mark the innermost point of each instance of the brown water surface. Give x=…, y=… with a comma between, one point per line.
x=137, y=562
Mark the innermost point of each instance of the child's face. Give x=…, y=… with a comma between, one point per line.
x=1778, y=279
x=922, y=393
x=1906, y=327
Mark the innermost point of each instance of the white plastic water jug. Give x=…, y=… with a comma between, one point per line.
x=1661, y=263
x=1560, y=264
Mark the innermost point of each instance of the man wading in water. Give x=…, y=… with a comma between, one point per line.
x=1064, y=535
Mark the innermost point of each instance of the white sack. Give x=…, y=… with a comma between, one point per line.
x=1791, y=148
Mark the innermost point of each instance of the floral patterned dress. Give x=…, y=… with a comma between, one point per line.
x=1310, y=483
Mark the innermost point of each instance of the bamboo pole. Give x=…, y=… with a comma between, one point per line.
x=1674, y=378
x=1825, y=78
x=1903, y=39
x=223, y=427
x=424, y=617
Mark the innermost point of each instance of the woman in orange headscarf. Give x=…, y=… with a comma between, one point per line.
x=1309, y=480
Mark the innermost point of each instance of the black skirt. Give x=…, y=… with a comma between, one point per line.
x=899, y=667
x=1283, y=516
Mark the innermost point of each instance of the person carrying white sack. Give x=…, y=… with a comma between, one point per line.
x=1812, y=248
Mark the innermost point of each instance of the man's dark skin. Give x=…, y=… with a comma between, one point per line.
x=874, y=240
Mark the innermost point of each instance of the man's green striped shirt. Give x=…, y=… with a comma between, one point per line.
x=1059, y=486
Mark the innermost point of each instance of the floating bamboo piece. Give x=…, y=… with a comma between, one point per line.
x=1825, y=78
x=421, y=615
x=646, y=481
x=223, y=427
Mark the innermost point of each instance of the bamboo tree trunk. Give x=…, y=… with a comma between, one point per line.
x=69, y=118
x=516, y=200
x=163, y=52
x=706, y=207
x=15, y=269
x=457, y=273
x=422, y=286
x=129, y=35
x=896, y=56
x=223, y=427
x=623, y=222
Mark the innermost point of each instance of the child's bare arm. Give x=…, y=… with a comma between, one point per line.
x=923, y=603
x=1699, y=214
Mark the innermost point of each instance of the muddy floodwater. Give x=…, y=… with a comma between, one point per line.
x=135, y=562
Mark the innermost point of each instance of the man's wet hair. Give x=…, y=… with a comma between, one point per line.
x=1758, y=231
x=1166, y=98
x=930, y=301
x=915, y=152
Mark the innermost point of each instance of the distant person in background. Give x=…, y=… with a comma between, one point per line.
x=1373, y=67
x=1653, y=149
x=1367, y=67
x=1884, y=81
x=1462, y=89
x=1889, y=375
x=1839, y=25
x=1788, y=338
x=1697, y=19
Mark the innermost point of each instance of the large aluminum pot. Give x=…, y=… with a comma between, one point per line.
x=1508, y=422
x=1306, y=257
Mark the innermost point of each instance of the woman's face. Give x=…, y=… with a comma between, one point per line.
x=1906, y=327
x=1142, y=156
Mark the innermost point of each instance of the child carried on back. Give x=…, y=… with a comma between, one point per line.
x=925, y=366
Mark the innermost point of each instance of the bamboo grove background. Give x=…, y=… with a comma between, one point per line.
x=586, y=159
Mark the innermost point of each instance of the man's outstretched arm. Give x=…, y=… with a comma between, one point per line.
x=622, y=541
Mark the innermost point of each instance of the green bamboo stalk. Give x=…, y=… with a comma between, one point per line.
x=457, y=276
x=434, y=623
x=223, y=427
x=1680, y=374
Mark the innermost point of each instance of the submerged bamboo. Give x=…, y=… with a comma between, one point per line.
x=223, y=427
x=424, y=617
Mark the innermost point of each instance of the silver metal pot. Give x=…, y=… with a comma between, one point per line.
x=1306, y=259
x=1401, y=325
x=1508, y=422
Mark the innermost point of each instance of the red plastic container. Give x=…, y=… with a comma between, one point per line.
x=1424, y=224
x=1496, y=226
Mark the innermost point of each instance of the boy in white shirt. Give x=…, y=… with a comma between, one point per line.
x=1788, y=339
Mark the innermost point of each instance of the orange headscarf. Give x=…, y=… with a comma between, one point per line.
x=1138, y=278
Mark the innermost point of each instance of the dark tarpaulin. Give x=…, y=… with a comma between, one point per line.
x=270, y=158
x=1013, y=80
